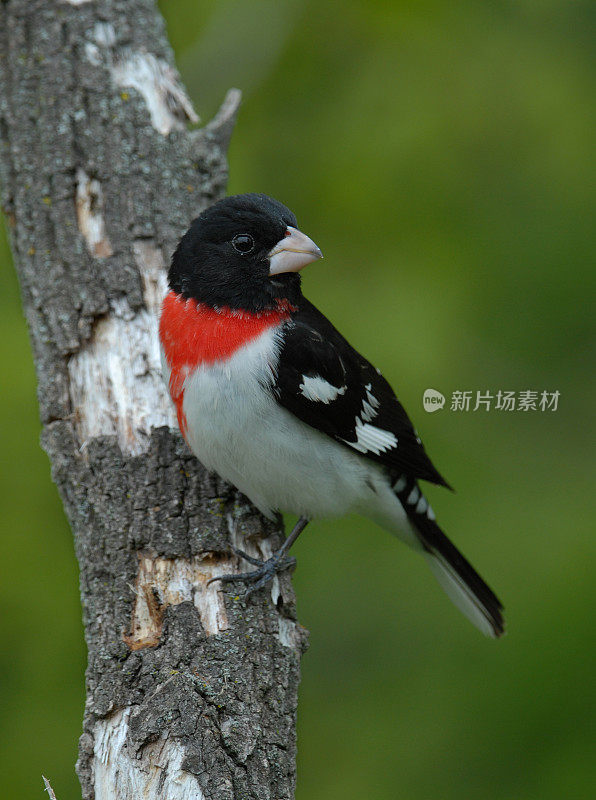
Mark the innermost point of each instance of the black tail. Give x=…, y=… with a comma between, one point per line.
x=457, y=576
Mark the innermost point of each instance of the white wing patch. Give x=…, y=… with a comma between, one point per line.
x=413, y=496
x=370, y=439
x=320, y=390
x=369, y=406
x=400, y=484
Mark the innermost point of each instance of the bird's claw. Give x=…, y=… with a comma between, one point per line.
x=265, y=572
x=256, y=562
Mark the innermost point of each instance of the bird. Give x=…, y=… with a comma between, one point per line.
x=269, y=395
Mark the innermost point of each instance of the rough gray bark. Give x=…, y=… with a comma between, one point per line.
x=191, y=693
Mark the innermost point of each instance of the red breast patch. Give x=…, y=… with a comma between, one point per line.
x=192, y=333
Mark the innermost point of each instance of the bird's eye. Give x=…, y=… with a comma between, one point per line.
x=243, y=243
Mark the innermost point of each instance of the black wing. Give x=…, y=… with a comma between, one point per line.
x=331, y=387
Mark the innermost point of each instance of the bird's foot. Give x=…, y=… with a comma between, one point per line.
x=265, y=572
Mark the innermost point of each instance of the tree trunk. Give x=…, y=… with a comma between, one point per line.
x=191, y=692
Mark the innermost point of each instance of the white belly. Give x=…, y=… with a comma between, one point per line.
x=236, y=428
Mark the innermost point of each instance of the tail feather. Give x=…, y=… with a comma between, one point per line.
x=458, y=578
x=483, y=612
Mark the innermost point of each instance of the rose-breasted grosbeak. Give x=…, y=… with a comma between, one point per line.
x=270, y=395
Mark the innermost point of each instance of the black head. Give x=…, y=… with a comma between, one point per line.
x=242, y=252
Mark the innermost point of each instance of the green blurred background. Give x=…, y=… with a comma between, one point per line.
x=442, y=156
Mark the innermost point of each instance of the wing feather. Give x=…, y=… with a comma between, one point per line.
x=331, y=387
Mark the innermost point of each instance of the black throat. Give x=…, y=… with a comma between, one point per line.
x=240, y=295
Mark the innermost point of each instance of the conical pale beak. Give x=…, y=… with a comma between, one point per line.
x=293, y=252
